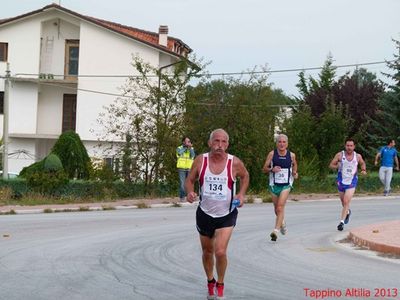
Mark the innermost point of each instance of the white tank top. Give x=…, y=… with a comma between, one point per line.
x=348, y=168
x=216, y=190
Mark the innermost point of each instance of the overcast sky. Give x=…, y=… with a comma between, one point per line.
x=237, y=35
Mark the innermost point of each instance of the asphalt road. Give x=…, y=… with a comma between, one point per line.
x=155, y=254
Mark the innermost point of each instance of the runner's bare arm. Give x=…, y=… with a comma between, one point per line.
x=362, y=164
x=335, y=161
x=191, y=179
x=377, y=157
x=239, y=170
x=267, y=165
x=294, y=165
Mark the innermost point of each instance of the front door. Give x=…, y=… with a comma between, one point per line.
x=69, y=112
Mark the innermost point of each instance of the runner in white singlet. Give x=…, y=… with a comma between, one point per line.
x=347, y=162
x=215, y=217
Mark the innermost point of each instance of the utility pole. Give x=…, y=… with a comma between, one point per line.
x=5, y=122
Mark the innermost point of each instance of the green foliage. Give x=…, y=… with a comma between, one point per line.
x=318, y=93
x=359, y=94
x=73, y=155
x=33, y=168
x=18, y=187
x=103, y=173
x=78, y=191
x=316, y=140
x=152, y=114
x=52, y=163
x=247, y=110
x=46, y=176
x=301, y=131
x=45, y=182
x=330, y=111
x=332, y=131
x=127, y=160
x=386, y=123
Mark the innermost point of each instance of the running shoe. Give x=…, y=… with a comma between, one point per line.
x=211, y=290
x=274, y=236
x=340, y=226
x=283, y=228
x=347, y=217
x=220, y=291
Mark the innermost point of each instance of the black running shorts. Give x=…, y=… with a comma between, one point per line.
x=206, y=225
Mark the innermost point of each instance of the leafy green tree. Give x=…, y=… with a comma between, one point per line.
x=318, y=129
x=247, y=109
x=300, y=128
x=316, y=93
x=333, y=128
x=316, y=140
x=385, y=124
x=73, y=155
x=149, y=117
x=359, y=94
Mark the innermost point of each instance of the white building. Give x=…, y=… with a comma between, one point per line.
x=55, y=57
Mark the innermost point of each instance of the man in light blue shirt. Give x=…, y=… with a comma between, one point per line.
x=388, y=155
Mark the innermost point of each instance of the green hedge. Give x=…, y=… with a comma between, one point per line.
x=366, y=184
x=80, y=189
x=95, y=189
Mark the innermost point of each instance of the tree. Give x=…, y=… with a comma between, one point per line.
x=315, y=140
x=315, y=93
x=359, y=94
x=73, y=155
x=333, y=128
x=321, y=124
x=300, y=128
x=247, y=108
x=149, y=116
x=385, y=124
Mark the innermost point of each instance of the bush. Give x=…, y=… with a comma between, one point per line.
x=52, y=163
x=18, y=187
x=33, y=168
x=73, y=155
x=49, y=183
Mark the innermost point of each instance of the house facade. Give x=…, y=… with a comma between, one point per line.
x=65, y=67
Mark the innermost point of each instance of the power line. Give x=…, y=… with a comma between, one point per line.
x=199, y=75
x=300, y=69
x=224, y=73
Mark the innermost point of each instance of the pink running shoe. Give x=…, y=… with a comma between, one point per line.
x=220, y=291
x=211, y=290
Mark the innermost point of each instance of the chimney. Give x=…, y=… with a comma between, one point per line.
x=163, y=35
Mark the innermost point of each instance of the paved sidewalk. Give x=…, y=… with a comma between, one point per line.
x=119, y=204
x=382, y=237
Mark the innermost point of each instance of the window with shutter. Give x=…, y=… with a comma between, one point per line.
x=71, y=59
x=3, y=51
